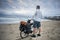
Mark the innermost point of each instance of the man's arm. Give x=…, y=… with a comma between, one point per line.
x=34, y=16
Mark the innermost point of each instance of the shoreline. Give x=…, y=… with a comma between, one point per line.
x=13, y=22
x=17, y=22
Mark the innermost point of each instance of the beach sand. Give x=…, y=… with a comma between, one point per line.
x=50, y=31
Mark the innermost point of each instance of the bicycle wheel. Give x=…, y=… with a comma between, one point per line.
x=23, y=35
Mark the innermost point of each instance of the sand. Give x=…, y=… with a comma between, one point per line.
x=50, y=31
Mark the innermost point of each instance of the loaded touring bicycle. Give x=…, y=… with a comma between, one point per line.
x=25, y=28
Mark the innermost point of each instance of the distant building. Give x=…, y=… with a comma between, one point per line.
x=52, y=17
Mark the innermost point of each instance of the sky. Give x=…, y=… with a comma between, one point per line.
x=28, y=7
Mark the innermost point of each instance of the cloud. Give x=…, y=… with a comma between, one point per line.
x=47, y=6
x=19, y=12
x=11, y=3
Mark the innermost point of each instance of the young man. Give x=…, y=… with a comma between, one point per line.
x=37, y=22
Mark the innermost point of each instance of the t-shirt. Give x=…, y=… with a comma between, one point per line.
x=37, y=16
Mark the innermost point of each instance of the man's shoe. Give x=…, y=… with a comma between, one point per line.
x=38, y=34
x=33, y=35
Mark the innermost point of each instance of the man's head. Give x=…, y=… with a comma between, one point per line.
x=37, y=7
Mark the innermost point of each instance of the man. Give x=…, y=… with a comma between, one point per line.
x=37, y=20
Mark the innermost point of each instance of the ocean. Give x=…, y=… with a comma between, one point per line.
x=4, y=20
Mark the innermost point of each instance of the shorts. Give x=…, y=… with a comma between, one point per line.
x=36, y=24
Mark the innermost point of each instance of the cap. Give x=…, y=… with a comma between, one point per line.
x=37, y=7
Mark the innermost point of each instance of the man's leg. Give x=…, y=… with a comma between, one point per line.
x=40, y=30
x=34, y=30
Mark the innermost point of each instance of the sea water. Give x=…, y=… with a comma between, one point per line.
x=4, y=20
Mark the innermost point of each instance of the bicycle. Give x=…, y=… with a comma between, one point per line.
x=25, y=28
